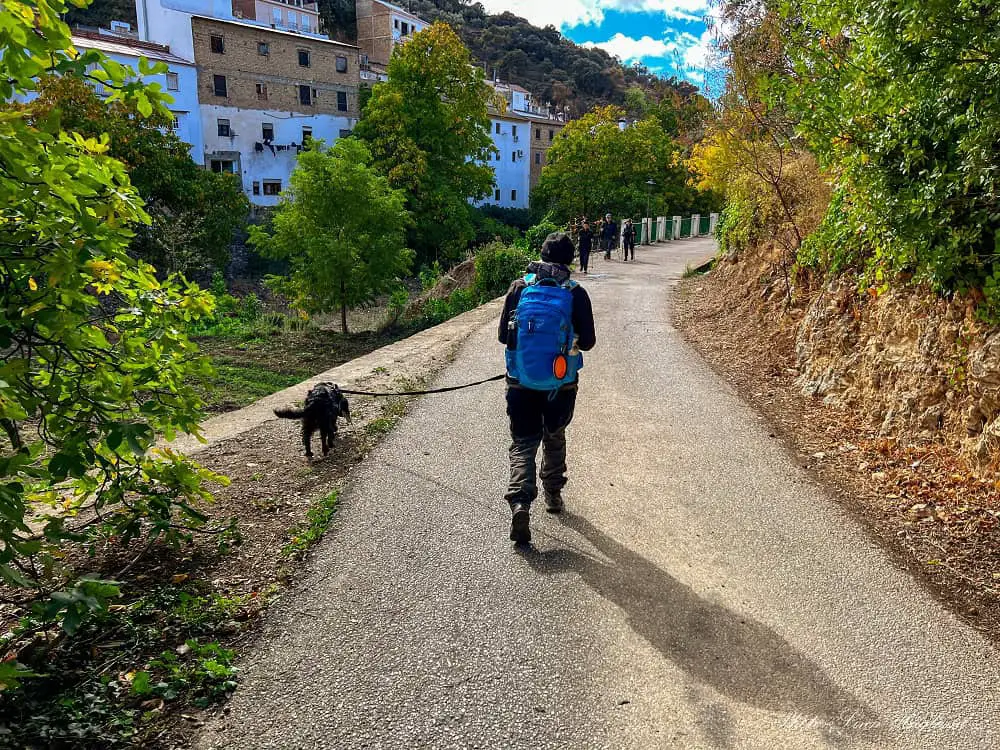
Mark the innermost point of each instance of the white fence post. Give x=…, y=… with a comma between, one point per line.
x=677, y=227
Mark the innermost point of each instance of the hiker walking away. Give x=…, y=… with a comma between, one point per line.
x=609, y=236
x=547, y=321
x=585, y=245
x=628, y=239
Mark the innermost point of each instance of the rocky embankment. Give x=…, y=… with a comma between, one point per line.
x=919, y=367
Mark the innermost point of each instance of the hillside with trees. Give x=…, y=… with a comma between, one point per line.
x=573, y=78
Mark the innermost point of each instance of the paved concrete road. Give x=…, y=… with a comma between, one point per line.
x=702, y=592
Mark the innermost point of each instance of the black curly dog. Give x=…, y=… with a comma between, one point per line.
x=324, y=404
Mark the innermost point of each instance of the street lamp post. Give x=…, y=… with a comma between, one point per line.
x=650, y=184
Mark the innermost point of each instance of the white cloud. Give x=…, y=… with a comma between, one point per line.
x=561, y=13
x=691, y=55
x=699, y=54
x=628, y=49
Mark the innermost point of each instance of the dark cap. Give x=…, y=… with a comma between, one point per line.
x=558, y=248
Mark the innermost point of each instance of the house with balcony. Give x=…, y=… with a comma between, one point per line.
x=284, y=15
x=265, y=93
x=382, y=26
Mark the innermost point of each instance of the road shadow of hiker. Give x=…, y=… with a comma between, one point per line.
x=733, y=654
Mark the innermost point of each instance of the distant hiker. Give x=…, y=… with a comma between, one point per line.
x=547, y=321
x=628, y=239
x=609, y=236
x=585, y=245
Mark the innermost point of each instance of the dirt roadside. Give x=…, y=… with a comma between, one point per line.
x=934, y=512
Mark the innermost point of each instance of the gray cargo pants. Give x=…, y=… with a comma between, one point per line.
x=535, y=420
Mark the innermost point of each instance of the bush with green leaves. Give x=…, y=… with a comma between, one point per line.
x=497, y=265
x=96, y=365
x=536, y=235
x=897, y=99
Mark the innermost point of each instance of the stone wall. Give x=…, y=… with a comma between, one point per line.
x=279, y=70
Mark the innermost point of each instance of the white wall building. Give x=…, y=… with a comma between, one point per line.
x=522, y=151
x=286, y=15
x=511, y=164
x=258, y=134
x=262, y=146
x=169, y=21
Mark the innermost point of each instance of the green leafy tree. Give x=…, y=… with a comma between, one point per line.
x=428, y=131
x=898, y=99
x=596, y=166
x=194, y=211
x=95, y=364
x=341, y=228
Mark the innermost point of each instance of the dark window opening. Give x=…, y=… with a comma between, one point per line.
x=263, y=48
x=513, y=195
x=272, y=187
x=226, y=167
x=304, y=58
x=256, y=187
x=342, y=101
x=307, y=135
x=305, y=95
x=262, y=91
x=223, y=126
x=342, y=64
x=496, y=196
x=218, y=45
x=219, y=83
x=267, y=131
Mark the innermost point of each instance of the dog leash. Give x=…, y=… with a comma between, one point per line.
x=425, y=393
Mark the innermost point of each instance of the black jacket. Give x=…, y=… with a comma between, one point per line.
x=585, y=243
x=610, y=231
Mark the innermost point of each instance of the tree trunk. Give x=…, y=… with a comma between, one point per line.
x=343, y=305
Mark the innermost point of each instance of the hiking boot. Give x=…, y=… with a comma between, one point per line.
x=554, y=502
x=520, y=533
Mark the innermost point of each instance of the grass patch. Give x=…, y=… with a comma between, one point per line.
x=250, y=368
x=310, y=531
x=237, y=385
x=692, y=271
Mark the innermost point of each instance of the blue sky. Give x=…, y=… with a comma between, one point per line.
x=668, y=36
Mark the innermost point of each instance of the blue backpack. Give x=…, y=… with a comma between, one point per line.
x=540, y=336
